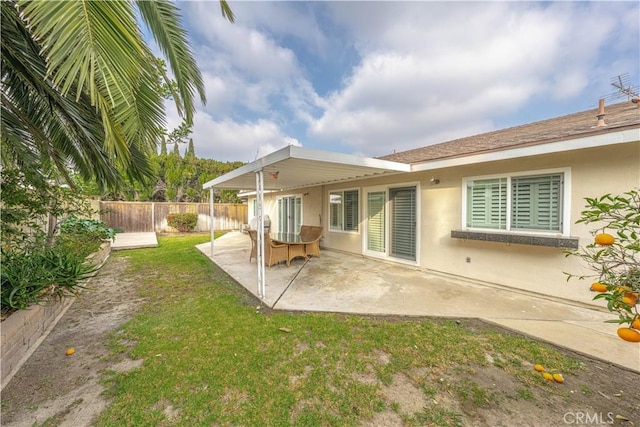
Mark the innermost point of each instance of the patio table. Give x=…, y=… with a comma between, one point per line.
x=294, y=241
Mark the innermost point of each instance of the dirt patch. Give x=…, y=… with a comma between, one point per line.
x=66, y=390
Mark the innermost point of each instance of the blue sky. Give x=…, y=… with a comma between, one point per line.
x=368, y=78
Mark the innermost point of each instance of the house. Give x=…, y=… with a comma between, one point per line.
x=499, y=207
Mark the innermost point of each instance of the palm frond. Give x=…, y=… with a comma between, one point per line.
x=164, y=21
x=226, y=11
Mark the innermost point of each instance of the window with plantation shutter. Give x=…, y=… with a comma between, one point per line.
x=536, y=203
x=528, y=203
x=487, y=203
x=351, y=219
x=344, y=210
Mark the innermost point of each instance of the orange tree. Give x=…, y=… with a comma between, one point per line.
x=614, y=254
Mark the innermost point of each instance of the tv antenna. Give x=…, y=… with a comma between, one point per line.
x=624, y=87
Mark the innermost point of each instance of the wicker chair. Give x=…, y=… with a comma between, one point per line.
x=273, y=252
x=311, y=236
x=254, y=244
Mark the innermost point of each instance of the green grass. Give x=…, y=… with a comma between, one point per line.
x=212, y=358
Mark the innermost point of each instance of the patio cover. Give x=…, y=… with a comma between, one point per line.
x=295, y=167
x=303, y=167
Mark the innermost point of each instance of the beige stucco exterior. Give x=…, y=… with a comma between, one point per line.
x=592, y=172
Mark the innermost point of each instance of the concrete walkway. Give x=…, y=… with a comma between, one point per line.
x=134, y=241
x=338, y=282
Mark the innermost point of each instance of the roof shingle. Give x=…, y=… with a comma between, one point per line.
x=617, y=117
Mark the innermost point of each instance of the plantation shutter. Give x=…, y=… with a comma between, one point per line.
x=335, y=210
x=351, y=210
x=376, y=221
x=487, y=203
x=536, y=202
x=403, y=222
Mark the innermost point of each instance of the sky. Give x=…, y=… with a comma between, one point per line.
x=371, y=78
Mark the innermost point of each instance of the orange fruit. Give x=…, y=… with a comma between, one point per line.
x=629, y=334
x=630, y=298
x=538, y=367
x=635, y=324
x=547, y=376
x=598, y=287
x=604, y=239
x=558, y=378
x=70, y=351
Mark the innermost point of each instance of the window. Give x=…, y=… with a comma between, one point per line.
x=520, y=203
x=343, y=210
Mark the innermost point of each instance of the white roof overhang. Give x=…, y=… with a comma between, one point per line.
x=296, y=167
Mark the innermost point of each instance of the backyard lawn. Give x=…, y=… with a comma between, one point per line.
x=207, y=353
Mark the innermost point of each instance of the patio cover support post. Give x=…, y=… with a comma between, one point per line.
x=211, y=218
x=260, y=240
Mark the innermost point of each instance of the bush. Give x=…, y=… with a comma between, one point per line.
x=40, y=274
x=183, y=222
x=83, y=236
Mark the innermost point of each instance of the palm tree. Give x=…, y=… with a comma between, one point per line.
x=80, y=89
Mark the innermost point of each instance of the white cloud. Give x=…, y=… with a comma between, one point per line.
x=423, y=72
x=432, y=72
x=227, y=140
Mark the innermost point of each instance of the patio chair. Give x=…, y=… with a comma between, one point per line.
x=253, y=234
x=273, y=252
x=311, y=236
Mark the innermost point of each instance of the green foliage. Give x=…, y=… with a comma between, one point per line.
x=37, y=263
x=179, y=179
x=180, y=134
x=83, y=236
x=616, y=265
x=183, y=222
x=40, y=274
x=28, y=204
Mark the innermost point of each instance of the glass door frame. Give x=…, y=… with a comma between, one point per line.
x=365, y=218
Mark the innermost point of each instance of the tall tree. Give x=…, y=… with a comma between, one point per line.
x=79, y=87
x=191, y=151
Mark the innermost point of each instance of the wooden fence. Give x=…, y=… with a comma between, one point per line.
x=151, y=216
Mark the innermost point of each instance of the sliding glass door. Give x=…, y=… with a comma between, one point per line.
x=289, y=214
x=391, y=216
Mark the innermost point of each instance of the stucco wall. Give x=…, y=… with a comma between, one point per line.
x=594, y=172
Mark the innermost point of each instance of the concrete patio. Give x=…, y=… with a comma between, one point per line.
x=346, y=283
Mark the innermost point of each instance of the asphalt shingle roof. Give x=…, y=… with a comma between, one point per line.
x=617, y=117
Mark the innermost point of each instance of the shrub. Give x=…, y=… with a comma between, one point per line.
x=83, y=236
x=30, y=208
x=183, y=222
x=40, y=274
